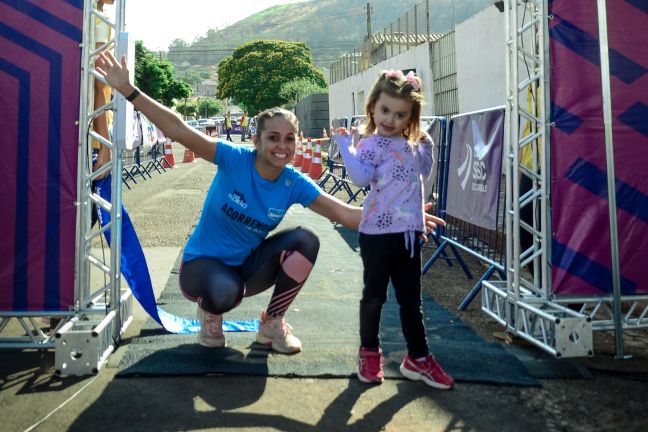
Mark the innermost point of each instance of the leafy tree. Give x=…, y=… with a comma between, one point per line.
x=187, y=108
x=179, y=43
x=209, y=107
x=256, y=71
x=156, y=77
x=296, y=90
x=176, y=90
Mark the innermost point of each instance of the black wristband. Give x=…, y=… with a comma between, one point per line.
x=133, y=95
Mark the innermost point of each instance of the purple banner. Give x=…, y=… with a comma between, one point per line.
x=475, y=167
x=39, y=94
x=581, y=251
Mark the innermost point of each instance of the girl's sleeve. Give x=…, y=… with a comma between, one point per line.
x=425, y=149
x=360, y=172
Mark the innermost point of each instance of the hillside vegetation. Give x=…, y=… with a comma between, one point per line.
x=329, y=27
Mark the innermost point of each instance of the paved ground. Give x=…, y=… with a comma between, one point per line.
x=164, y=209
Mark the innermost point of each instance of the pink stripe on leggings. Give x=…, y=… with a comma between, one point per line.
x=297, y=267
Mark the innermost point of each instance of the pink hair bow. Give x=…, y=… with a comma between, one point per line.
x=410, y=77
x=394, y=74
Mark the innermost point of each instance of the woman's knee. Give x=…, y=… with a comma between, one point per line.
x=307, y=243
x=221, y=296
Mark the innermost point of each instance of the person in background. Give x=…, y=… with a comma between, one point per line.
x=244, y=126
x=393, y=157
x=102, y=95
x=228, y=125
x=231, y=254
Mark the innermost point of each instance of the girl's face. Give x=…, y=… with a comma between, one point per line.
x=391, y=115
x=275, y=146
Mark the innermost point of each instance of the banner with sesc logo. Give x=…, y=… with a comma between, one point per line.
x=475, y=166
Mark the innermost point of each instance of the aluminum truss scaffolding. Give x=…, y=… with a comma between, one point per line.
x=525, y=302
x=84, y=335
x=102, y=314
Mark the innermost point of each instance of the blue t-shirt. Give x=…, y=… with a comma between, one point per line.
x=241, y=207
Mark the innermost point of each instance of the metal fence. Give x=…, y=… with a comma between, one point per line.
x=408, y=31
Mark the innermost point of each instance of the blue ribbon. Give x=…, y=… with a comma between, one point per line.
x=136, y=273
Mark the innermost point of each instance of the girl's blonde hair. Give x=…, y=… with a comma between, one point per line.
x=395, y=84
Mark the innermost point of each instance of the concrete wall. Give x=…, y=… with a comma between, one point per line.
x=481, y=60
x=313, y=114
x=347, y=97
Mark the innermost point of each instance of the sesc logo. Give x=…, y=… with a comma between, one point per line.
x=474, y=163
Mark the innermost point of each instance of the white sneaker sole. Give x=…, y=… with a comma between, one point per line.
x=212, y=342
x=366, y=381
x=265, y=340
x=415, y=376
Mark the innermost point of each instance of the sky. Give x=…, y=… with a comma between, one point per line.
x=158, y=22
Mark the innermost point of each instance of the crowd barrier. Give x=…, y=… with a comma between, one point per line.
x=471, y=194
x=148, y=155
x=334, y=179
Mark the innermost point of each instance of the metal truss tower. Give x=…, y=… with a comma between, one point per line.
x=102, y=314
x=526, y=303
x=523, y=302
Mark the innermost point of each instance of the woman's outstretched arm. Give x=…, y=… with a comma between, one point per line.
x=350, y=216
x=116, y=74
x=337, y=211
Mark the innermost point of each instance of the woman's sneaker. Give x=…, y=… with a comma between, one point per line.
x=211, y=329
x=370, y=366
x=276, y=333
x=427, y=371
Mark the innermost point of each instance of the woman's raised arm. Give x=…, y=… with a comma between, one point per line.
x=116, y=74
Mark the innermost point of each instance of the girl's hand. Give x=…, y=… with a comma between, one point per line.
x=343, y=137
x=116, y=74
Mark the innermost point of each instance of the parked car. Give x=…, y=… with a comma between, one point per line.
x=206, y=123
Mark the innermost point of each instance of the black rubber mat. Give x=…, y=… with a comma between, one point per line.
x=325, y=317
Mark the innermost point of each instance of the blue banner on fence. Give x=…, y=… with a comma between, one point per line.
x=475, y=167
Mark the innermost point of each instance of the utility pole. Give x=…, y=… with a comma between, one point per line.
x=368, y=20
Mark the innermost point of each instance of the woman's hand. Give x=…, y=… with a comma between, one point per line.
x=431, y=221
x=115, y=74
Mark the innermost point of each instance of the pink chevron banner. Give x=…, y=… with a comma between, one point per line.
x=39, y=94
x=581, y=251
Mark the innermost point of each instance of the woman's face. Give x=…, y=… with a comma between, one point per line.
x=275, y=146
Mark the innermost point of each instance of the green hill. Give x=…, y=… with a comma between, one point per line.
x=329, y=27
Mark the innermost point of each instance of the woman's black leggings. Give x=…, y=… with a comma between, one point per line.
x=284, y=259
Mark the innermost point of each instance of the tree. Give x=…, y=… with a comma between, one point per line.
x=209, y=107
x=187, y=108
x=296, y=90
x=255, y=72
x=156, y=77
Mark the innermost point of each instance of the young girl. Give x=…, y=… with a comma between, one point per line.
x=393, y=158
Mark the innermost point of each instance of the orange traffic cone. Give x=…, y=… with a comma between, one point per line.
x=299, y=154
x=316, y=165
x=168, y=155
x=308, y=155
x=189, y=156
x=324, y=135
